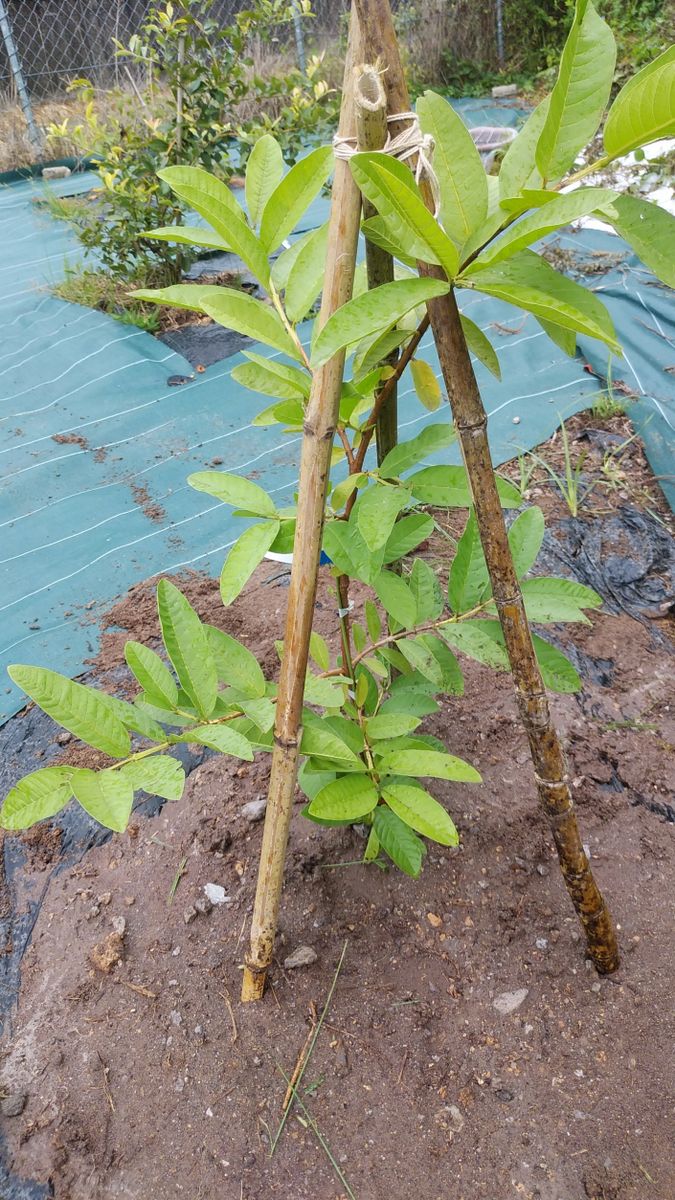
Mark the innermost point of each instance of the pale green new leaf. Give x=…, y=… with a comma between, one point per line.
x=230, y=308
x=372, y=311
x=644, y=109
x=481, y=346
x=318, y=650
x=187, y=647
x=189, y=235
x=426, y=384
x=560, y=212
x=283, y=264
x=528, y=281
x=223, y=739
x=421, y=812
x=107, y=796
x=404, y=210
x=293, y=195
x=398, y=841
x=235, y=490
x=264, y=171
x=396, y=598
x=376, y=514
x=458, y=166
x=525, y=538
x=87, y=714
x=35, y=797
x=213, y=200
x=648, y=228
x=550, y=600
x=235, y=664
x=271, y=378
x=407, y=454
x=159, y=775
x=430, y=764
x=152, y=674
x=448, y=487
x=347, y=798
x=580, y=94
x=519, y=169
x=305, y=278
x=248, y=551
x=565, y=339
x=469, y=581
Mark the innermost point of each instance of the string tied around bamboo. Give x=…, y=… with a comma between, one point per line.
x=409, y=143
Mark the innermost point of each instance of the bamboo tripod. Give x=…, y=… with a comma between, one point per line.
x=372, y=37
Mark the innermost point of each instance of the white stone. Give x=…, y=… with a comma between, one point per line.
x=508, y=1002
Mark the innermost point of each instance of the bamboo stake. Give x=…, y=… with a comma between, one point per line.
x=471, y=422
x=371, y=134
x=319, y=429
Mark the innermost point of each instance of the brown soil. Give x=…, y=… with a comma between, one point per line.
x=152, y=510
x=153, y=1081
x=71, y=439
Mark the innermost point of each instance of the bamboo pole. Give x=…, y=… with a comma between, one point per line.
x=371, y=134
x=471, y=421
x=319, y=429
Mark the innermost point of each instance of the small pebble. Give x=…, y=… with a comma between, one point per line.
x=304, y=956
x=516, y=420
x=508, y=1002
x=255, y=809
x=13, y=1105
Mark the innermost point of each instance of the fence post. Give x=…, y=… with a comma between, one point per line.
x=17, y=72
x=299, y=38
x=500, y=32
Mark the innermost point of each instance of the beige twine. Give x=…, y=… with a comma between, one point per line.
x=409, y=143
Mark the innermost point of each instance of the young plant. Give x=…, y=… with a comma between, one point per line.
x=358, y=727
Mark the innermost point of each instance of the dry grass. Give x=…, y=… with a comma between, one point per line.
x=16, y=148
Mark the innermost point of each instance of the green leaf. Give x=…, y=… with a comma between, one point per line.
x=374, y=310
x=389, y=725
x=528, y=281
x=305, y=279
x=481, y=640
x=421, y=812
x=222, y=738
x=293, y=195
x=648, y=228
x=519, y=169
x=230, y=308
x=343, y=490
x=549, y=600
x=107, y=796
x=87, y=714
x=213, y=200
x=35, y=797
x=525, y=538
x=580, y=94
x=430, y=764
x=189, y=235
x=376, y=514
x=373, y=621
x=418, y=654
x=425, y=587
x=159, y=775
x=469, y=581
x=271, y=378
x=377, y=231
x=347, y=798
x=448, y=487
x=261, y=711
x=375, y=349
x=413, y=702
x=321, y=741
x=481, y=346
x=404, y=209
x=235, y=664
x=458, y=166
x=407, y=454
x=644, y=109
x=139, y=721
x=235, y=490
x=372, y=847
x=318, y=649
x=187, y=647
x=398, y=841
x=396, y=598
x=561, y=211
x=426, y=384
x=264, y=171
x=407, y=533
x=346, y=548
x=248, y=551
x=566, y=339
x=326, y=692
x=557, y=671
x=452, y=680
x=283, y=265
x=152, y=674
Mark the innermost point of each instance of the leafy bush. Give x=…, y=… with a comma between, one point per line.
x=204, y=102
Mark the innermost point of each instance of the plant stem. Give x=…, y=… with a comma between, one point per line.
x=319, y=429
x=471, y=421
x=371, y=134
